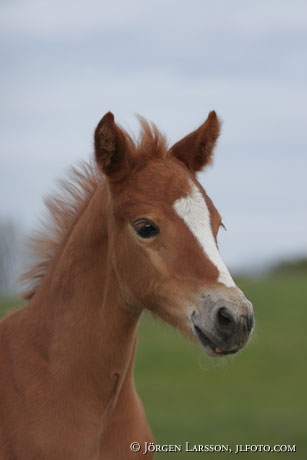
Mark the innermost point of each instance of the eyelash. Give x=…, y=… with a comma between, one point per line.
x=146, y=229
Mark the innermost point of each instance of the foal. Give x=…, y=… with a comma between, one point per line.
x=138, y=232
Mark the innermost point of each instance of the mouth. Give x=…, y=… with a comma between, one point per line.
x=210, y=346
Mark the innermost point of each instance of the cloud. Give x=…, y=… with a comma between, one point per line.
x=68, y=19
x=66, y=63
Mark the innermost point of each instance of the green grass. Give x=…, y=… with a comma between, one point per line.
x=7, y=304
x=255, y=397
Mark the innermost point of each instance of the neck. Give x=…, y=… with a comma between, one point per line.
x=86, y=330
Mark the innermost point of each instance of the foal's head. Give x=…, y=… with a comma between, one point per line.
x=163, y=229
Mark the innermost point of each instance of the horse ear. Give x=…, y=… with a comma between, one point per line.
x=111, y=148
x=196, y=149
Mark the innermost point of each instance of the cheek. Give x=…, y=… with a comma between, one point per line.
x=137, y=268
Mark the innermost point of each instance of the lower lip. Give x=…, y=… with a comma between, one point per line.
x=206, y=342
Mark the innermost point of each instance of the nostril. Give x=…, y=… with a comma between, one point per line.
x=247, y=322
x=225, y=319
x=250, y=322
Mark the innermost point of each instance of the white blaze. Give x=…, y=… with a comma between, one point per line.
x=194, y=211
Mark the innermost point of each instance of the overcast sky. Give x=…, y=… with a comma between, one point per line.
x=65, y=63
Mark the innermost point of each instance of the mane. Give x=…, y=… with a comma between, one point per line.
x=72, y=196
x=151, y=143
x=63, y=209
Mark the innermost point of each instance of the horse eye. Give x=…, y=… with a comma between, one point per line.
x=145, y=228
